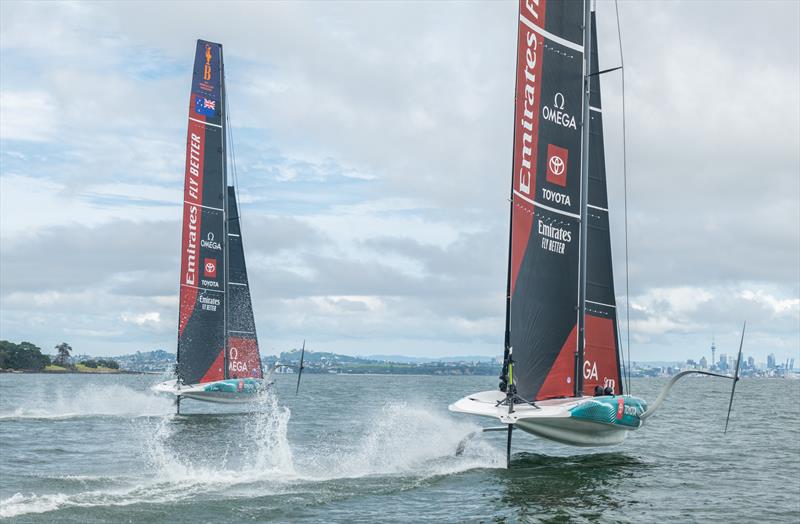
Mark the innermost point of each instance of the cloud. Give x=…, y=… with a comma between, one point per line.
x=27, y=115
x=779, y=306
x=141, y=319
x=373, y=164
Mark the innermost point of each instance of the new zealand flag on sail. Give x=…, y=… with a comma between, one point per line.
x=204, y=106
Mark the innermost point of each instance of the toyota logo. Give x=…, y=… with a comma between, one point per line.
x=210, y=268
x=556, y=165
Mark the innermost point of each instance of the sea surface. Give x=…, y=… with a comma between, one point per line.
x=88, y=448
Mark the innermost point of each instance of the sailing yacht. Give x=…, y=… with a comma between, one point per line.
x=218, y=356
x=561, y=377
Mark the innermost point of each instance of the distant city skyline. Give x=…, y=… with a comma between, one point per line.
x=771, y=361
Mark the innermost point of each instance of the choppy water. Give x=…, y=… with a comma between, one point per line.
x=81, y=448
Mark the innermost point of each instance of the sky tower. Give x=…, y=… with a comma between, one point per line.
x=713, y=351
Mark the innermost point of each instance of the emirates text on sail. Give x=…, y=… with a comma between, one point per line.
x=527, y=121
x=191, y=247
x=194, y=186
x=554, y=238
x=209, y=303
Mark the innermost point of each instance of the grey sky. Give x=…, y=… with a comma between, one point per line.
x=373, y=149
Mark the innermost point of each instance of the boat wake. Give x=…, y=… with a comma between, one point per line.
x=90, y=401
x=401, y=443
x=402, y=439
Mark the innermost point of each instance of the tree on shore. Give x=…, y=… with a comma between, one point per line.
x=108, y=363
x=101, y=362
x=63, y=351
x=22, y=356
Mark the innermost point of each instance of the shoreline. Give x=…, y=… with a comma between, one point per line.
x=71, y=372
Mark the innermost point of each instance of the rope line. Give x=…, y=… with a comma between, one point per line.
x=625, y=193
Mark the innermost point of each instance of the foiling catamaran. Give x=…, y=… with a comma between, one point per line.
x=218, y=357
x=561, y=377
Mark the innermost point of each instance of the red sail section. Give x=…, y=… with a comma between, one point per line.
x=559, y=380
x=217, y=369
x=600, y=365
x=243, y=358
x=192, y=221
x=530, y=48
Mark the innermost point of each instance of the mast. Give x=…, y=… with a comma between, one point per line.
x=507, y=342
x=223, y=100
x=587, y=46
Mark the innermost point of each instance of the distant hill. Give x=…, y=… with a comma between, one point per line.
x=324, y=362
x=315, y=356
x=657, y=363
x=147, y=361
x=422, y=360
x=328, y=362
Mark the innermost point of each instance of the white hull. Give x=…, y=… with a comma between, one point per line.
x=551, y=419
x=231, y=391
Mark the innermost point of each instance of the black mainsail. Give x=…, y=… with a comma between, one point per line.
x=544, y=278
x=216, y=329
x=243, y=356
x=601, y=362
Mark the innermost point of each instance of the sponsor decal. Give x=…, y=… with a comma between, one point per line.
x=210, y=268
x=190, y=277
x=210, y=243
x=589, y=369
x=620, y=408
x=243, y=358
x=207, y=67
x=557, y=158
x=527, y=104
x=206, y=83
x=533, y=8
x=554, y=196
x=529, y=68
x=209, y=303
x=234, y=364
x=193, y=181
x=556, y=113
x=527, y=121
x=204, y=106
x=554, y=238
x=191, y=215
